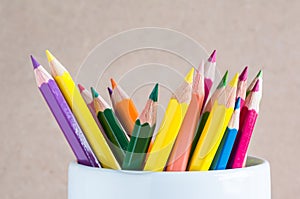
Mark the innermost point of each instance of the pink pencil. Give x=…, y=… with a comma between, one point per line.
x=249, y=115
x=209, y=74
x=242, y=86
x=87, y=97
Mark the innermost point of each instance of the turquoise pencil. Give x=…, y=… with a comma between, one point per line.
x=222, y=156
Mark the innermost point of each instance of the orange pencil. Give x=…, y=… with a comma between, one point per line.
x=124, y=107
x=180, y=153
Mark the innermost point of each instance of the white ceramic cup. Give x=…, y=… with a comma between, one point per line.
x=251, y=182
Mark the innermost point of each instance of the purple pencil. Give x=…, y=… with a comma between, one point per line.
x=64, y=116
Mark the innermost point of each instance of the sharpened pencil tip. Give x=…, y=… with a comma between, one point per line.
x=109, y=91
x=213, y=57
x=94, y=93
x=237, y=104
x=154, y=94
x=81, y=88
x=256, y=86
x=260, y=73
x=224, y=80
x=50, y=57
x=35, y=64
x=189, y=77
x=113, y=83
x=244, y=74
x=234, y=80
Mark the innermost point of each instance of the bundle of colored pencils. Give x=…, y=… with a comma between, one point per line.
x=201, y=130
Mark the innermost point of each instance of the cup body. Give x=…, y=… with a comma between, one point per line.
x=251, y=182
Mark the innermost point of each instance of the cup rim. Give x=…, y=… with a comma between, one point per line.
x=253, y=163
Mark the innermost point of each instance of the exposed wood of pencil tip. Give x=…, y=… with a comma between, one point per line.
x=55, y=66
x=41, y=75
x=220, y=88
x=183, y=92
x=254, y=97
x=227, y=97
x=148, y=114
x=198, y=82
x=99, y=103
x=118, y=94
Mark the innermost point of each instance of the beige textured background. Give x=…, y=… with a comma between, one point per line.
x=34, y=156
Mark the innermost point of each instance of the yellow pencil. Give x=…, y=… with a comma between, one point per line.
x=214, y=128
x=169, y=128
x=82, y=113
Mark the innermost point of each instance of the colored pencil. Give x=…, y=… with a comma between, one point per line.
x=88, y=98
x=259, y=76
x=180, y=153
x=124, y=107
x=142, y=134
x=242, y=86
x=206, y=110
x=249, y=115
x=111, y=126
x=82, y=113
x=222, y=156
x=209, y=73
x=214, y=129
x=170, y=125
x=64, y=116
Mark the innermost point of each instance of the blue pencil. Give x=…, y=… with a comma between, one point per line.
x=222, y=156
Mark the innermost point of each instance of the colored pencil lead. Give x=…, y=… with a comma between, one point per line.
x=237, y=104
x=256, y=86
x=224, y=80
x=213, y=56
x=81, y=88
x=189, y=77
x=260, y=73
x=234, y=80
x=109, y=90
x=50, y=57
x=154, y=93
x=113, y=83
x=35, y=64
x=94, y=93
x=244, y=74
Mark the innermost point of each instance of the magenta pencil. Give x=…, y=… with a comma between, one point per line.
x=249, y=115
x=64, y=116
x=242, y=86
x=209, y=74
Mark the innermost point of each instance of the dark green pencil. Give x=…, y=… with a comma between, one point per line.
x=142, y=134
x=111, y=126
